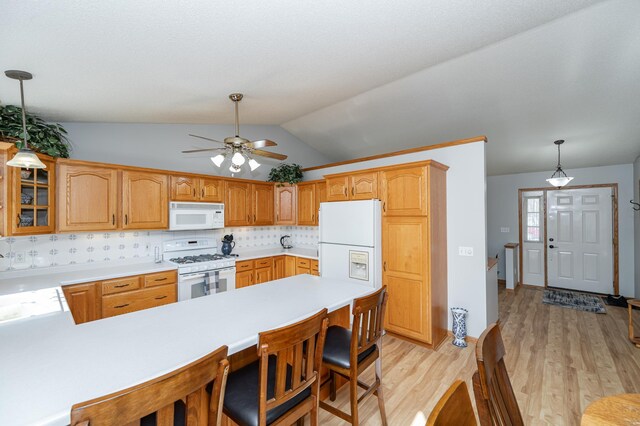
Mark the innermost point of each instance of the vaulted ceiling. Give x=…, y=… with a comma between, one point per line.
x=350, y=78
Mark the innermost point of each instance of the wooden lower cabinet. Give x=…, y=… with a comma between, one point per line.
x=279, y=267
x=244, y=279
x=83, y=302
x=137, y=300
x=264, y=269
x=103, y=299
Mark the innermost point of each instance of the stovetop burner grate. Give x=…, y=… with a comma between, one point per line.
x=197, y=259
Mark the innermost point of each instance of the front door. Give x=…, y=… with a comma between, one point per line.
x=580, y=240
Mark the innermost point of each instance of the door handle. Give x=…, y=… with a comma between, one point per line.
x=353, y=191
x=202, y=193
x=126, y=219
x=121, y=306
x=384, y=266
x=384, y=206
x=345, y=191
x=113, y=219
x=161, y=297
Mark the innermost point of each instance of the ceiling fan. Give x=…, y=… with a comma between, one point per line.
x=237, y=147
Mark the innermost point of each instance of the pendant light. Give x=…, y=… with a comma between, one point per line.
x=559, y=178
x=24, y=158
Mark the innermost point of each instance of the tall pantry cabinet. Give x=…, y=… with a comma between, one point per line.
x=414, y=250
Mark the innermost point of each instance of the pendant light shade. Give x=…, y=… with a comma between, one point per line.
x=238, y=159
x=559, y=178
x=24, y=158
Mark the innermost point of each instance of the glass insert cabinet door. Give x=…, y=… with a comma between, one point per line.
x=33, y=200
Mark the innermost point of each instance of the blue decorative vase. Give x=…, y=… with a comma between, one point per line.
x=227, y=246
x=459, y=326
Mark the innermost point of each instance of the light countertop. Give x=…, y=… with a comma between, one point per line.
x=36, y=279
x=309, y=253
x=49, y=363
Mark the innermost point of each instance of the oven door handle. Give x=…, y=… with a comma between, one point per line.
x=192, y=276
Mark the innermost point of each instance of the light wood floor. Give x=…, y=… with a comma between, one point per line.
x=558, y=359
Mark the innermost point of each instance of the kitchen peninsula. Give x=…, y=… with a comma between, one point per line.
x=58, y=363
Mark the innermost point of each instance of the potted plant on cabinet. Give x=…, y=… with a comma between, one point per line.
x=43, y=137
x=286, y=173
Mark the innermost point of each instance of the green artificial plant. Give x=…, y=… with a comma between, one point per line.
x=43, y=137
x=286, y=173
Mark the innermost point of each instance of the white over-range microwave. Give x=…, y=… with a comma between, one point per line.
x=194, y=216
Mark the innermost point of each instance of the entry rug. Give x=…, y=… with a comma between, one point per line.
x=573, y=300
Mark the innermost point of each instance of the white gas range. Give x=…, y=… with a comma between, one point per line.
x=201, y=271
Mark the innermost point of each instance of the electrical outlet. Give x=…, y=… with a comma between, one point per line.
x=504, y=229
x=20, y=257
x=465, y=251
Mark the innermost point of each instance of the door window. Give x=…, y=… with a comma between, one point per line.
x=533, y=207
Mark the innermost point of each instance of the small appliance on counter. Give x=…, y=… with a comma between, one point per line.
x=285, y=242
x=227, y=244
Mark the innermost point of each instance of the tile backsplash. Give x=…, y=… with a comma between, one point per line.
x=43, y=251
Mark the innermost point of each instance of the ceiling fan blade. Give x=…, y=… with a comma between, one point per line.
x=260, y=143
x=206, y=139
x=269, y=154
x=202, y=150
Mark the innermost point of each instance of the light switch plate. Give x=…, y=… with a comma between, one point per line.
x=465, y=251
x=504, y=229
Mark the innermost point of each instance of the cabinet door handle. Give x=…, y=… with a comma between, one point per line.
x=384, y=206
x=161, y=279
x=353, y=191
x=202, y=193
x=113, y=219
x=121, y=306
x=384, y=266
x=345, y=191
x=194, y=192
x=161, y=297
x=126, y=219
x=121, y=285
x=18, y=224
x=313, y=217
x=248, y=218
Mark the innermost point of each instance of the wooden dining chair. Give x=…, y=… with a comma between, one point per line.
x=283, y=385
x=160, y=401
x=348, y=353
x=453, y=408
x=495, y=400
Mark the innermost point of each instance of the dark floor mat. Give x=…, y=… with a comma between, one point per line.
x=612, y=300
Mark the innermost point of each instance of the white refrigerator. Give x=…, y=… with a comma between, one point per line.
x=350, y=246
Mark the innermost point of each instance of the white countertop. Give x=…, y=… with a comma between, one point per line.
x=309, y=253
x=35, y=279
x=48, y=363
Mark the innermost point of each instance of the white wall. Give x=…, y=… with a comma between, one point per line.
x=636, y=198
x=502, y=201
x=159, y=145
x=466, y=222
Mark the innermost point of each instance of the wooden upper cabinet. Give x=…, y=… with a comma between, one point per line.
x=87, y=198
x=364, y=186
x=338, y=188
x=211, y=190
x=185, y=188
x=32, y=209
x=237, y=209
x=286, y=205
x=262, y=205
x=307, y=214
x=404, y=191
x=145, y=200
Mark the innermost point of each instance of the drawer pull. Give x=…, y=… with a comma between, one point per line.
x=121, y=306
x=161, y=297
x=161, y=279
x=121, y=285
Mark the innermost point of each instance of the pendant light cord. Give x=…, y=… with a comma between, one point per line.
x=24, y=116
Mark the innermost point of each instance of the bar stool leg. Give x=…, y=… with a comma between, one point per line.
x=332, y=385
x=379, y=394
x=353, y=390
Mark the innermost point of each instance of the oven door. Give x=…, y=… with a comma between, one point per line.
x=205, y=283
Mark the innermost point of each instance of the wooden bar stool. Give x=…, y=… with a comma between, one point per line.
x=453, y=408
x=632, y=336
x=159, y=401
x=284, y=384
x=349, y=352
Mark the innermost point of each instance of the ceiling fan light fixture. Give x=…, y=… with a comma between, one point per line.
x=559, y=178
x=234, y=169
x=238, y=159
x=218, y=160
x=253, y=164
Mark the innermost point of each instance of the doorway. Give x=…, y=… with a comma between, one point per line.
x=569, y=237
